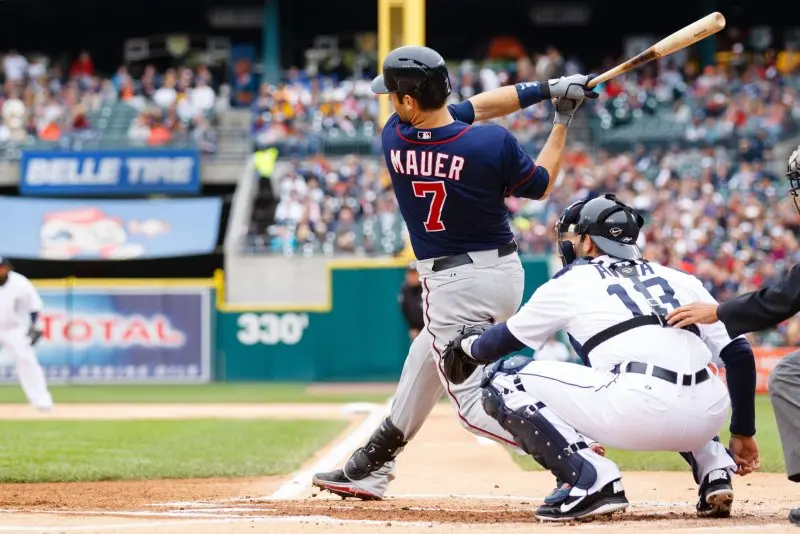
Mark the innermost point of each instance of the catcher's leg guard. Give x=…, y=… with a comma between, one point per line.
x=383, y=445
x=538, y=437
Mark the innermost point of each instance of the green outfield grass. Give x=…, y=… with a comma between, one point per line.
x=202, y=393
x=767, y=436
x=66, y=451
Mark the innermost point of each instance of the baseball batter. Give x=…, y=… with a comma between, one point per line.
x=648, y=387
x=20, y=305
x=451, y=178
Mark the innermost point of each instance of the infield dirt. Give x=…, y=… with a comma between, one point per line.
x=448, y=481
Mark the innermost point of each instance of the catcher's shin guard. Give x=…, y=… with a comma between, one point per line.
x=538, y=437
x=383, y=445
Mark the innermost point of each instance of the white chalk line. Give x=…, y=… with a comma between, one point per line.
x=302, y=478
x=317, y=519
x=327, y=520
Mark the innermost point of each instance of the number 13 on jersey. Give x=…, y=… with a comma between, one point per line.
x=438, y=193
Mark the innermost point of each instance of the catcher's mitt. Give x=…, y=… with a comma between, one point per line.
x=457, y=366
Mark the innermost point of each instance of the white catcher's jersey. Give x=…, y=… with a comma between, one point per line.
x=18, y=299
x=587, y=298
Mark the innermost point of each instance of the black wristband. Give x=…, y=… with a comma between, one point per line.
x=530, y=93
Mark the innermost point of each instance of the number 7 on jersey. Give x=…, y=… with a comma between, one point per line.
x=423, y=189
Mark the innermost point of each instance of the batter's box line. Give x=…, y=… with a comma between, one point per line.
x=471, y=496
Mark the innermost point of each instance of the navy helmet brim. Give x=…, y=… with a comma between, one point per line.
x=379, y=86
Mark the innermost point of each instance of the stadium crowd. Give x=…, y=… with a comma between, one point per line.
x=43, y=101
x=714, y=205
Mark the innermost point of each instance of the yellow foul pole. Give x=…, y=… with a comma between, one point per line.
x=400, y=23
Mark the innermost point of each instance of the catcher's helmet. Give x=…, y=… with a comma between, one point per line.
x=793, y=174
x=417, y=71
x=612, y=225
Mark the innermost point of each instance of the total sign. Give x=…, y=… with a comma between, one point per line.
x=271, y=328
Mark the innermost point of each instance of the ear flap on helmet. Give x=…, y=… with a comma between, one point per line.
x=565, y=223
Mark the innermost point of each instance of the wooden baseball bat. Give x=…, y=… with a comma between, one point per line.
x=688, y=35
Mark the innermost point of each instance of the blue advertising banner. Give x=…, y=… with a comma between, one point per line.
x=109, y=172
x=133, y=334
x=109, y=229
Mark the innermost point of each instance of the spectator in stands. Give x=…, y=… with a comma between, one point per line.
x=202, y=96
x=15, y=67
x=82, y=67
x=204, y=135
x=165, y=96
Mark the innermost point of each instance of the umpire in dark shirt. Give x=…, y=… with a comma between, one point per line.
x=756, y=311
x=411, y=301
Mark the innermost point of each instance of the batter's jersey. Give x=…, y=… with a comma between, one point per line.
x=18, y=299
x=586, y=298
x=451, y=182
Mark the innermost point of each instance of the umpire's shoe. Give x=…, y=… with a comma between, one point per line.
x=337, y=483
x=716, y=494
x=611, y=498
x=794, y=516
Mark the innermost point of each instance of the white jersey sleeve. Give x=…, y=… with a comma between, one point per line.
x=548, y=310
x=30, y=296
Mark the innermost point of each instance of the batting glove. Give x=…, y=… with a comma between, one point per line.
x=569, y=87
x=34, y=334
x=565, y=110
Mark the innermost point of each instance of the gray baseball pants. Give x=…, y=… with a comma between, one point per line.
x=784, y=391
x=489, y=290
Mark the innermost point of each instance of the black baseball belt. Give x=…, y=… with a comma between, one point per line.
x=449, y=262
x=664, y=374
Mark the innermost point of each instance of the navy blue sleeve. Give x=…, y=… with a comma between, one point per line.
x=495, y=343
x=740, y=374
x=522, y=177
x=463, y=111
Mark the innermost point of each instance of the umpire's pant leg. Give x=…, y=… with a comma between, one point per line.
x=784, y=391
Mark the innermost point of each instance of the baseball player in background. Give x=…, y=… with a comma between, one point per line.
x=648, y=386
x=451, y=178
x=20, y=305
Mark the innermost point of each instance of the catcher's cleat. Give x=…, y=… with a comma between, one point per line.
x=337, y=483
x=611, y=498
x=794, y=516
x=716, y=495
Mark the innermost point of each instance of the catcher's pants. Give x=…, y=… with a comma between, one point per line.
x=16, y=344
x=784, y=390
x=627, y=411
x=487, y=290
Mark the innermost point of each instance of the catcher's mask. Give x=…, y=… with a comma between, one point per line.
x=793, y=174
x=566, y=223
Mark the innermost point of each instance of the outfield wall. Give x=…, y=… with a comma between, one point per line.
x=178, y=331
x=165, y=331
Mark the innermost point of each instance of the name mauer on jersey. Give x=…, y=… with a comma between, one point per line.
x=423, y=163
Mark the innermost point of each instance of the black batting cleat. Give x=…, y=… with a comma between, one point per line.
x=794, y=516
x=337, y=483
x=611, y=498
x=716, y=495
